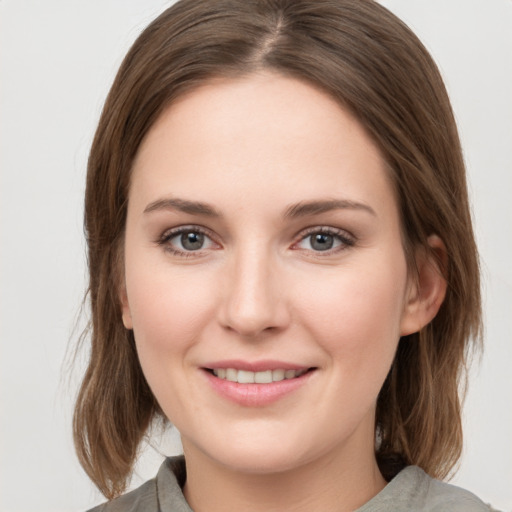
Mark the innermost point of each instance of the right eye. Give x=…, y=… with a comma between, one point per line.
x=183, y=241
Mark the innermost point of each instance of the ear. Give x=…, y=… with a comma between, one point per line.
x=125, y=308
x=428, y=290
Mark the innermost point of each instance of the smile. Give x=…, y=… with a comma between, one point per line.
x=260, y=386
x=261, y=377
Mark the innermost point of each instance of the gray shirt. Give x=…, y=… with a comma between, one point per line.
x=411, y=490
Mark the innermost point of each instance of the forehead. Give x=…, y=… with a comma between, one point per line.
x=254, y=133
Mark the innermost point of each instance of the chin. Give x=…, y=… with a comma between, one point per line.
x=256, y=455
x=262, y=463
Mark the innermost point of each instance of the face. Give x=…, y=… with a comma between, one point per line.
x=265, y=278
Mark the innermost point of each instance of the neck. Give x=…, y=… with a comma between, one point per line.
x=327, y=484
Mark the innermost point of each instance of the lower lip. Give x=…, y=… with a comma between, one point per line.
x=256, y=395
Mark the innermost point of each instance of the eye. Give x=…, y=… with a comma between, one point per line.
x=321, y=241
x=325, y=240
x=190, y=240
x=185, y=240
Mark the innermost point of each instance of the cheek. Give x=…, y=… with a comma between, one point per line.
x=355, y=313
x=169, y=313
x=168, y=310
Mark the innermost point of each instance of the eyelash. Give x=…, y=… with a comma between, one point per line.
x=173, y=233
x=346, y=240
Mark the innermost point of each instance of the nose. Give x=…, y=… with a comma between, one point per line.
x=254, y=296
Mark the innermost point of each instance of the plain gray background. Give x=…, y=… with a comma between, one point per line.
x=57, y=60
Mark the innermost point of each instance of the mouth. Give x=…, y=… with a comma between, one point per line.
x=259, y=377
x=256, y=384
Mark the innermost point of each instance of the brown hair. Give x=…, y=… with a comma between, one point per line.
x=362, y=55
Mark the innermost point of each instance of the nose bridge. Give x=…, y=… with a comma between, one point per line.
x=254, y=301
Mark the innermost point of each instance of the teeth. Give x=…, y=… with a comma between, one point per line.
x=277, y=375
x=264, y=377
x=231, y=374
x=245, y=377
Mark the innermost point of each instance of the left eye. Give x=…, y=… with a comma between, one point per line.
x=320, y=241
x=188, y=240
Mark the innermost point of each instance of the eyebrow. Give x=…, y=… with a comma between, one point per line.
x=183, y=205
x=301, y=209
x=305, y=208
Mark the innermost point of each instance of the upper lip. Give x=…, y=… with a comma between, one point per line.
x=255, y=366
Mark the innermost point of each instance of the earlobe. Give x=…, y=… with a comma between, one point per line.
x=428, y=290
x=125, y=309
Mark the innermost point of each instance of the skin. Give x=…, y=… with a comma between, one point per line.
x=259, y=289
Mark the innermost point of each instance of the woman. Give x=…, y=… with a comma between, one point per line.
x=282, y=264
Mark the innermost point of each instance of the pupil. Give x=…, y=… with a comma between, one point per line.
x=192, y=241
x=322, y=242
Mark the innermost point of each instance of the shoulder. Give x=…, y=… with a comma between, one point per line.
x=142, y=498
x=441, y=495
x=413, y=489
x=162, y=493
x=431, y=495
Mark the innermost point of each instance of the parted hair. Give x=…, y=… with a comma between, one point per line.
x=374, y=66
